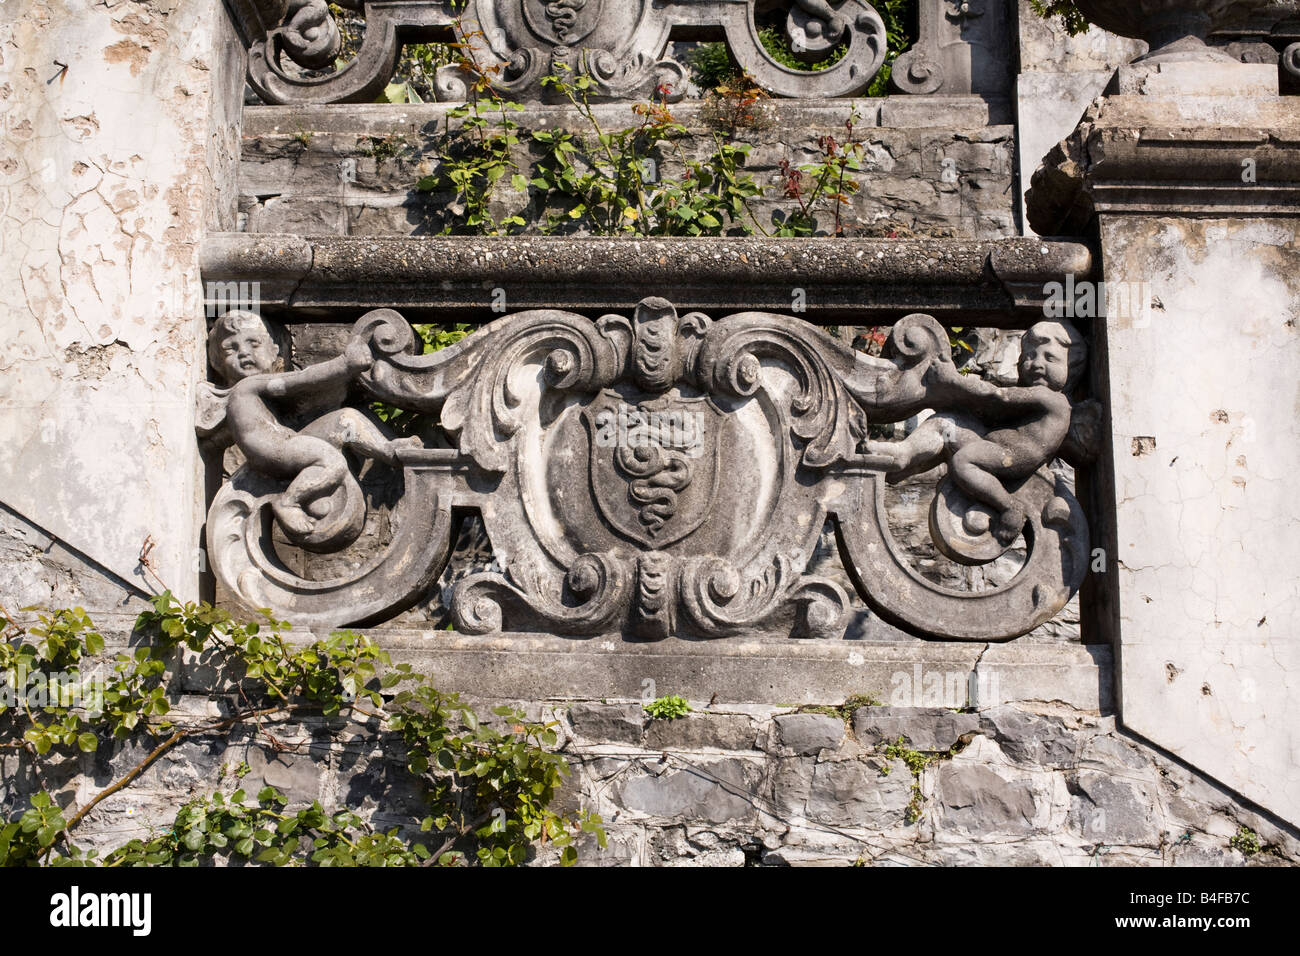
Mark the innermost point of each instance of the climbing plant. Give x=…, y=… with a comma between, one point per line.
x=488, y=786
x=1063, y=10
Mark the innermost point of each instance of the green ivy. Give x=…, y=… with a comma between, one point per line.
x=489, y=787
x=777, y=44
x=1065, y=11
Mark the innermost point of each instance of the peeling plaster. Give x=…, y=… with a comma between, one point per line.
x=105, y=191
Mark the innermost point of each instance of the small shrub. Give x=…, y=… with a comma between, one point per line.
x=668, y=708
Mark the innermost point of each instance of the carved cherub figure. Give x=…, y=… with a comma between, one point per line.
x=322, y=507
x=1036, y=419
x=832, y=25
x=310, y=35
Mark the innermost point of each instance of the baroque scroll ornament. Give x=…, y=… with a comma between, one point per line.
x=620, y=45
x=655, y=474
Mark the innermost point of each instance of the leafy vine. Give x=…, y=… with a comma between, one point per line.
x=489, y=787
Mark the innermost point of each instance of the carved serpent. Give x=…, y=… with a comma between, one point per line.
x=564, y=13
x=660, y=474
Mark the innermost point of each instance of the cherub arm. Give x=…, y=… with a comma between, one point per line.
x=356, y=358
x=949, y=387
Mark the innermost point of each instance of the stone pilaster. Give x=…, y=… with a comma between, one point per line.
x=1194, y=189
x=120, y=147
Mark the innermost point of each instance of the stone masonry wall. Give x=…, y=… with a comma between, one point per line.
x=939, y=166
x=737, y=785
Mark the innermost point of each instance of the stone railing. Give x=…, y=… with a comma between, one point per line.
x=653, y=471
x=623, y=48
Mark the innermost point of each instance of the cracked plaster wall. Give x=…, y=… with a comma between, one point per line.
x=120, y=133
x=1205, y=403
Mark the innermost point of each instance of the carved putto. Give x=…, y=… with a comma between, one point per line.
x=652, y=475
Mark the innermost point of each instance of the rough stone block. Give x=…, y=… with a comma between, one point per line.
x=306, y=217
x=697, y=731
x=857, y=793
x=718, y=791
x=975, y=799
x=1030, y=738
x=809, y=733
x=924, y=728
x=1109, y=809
x=608, y=723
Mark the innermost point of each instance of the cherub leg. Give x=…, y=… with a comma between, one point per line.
x=974, y=469
x=918, y=452
x=322, y=471
x=352, y=430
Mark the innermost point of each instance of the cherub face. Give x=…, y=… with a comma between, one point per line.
x=249, y=350
x=1044, y=361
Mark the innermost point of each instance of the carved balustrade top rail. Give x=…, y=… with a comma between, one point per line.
x=622, y=46
x=994, y=283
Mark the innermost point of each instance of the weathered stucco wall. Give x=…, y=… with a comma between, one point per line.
x=1198, y=212
x=1205, y=400
x=119, y=125
x=121, y=149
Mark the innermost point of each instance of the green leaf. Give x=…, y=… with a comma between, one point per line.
x=89, y=743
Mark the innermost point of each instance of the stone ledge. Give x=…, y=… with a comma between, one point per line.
x=739, y=671
x=783, y=673
x=899, y=112
x=997, y=283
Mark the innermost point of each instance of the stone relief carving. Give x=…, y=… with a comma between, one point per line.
x=655, y=474
x=964, y=47
x=621, y=46
x=291, y=425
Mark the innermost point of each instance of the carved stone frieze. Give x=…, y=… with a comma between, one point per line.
x=652, y=475
x=620, y=46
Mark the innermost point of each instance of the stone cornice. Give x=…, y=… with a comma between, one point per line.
x=994, y=282
x=1196, y=156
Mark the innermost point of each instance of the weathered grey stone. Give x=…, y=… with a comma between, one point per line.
x=974, y=798
x=1110, y=809
x=683, y=846
x=789, y=784
x=696, y=731
x=1107, y=750
x=615, y=723
x=1175, y=29
x=961, y=50
x=708, y=791
x=679, y=509
x=859, y=793
x=809, y=733
x=1030, y=738
x=929, y=729
x=621, y=50
x=447, y=277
